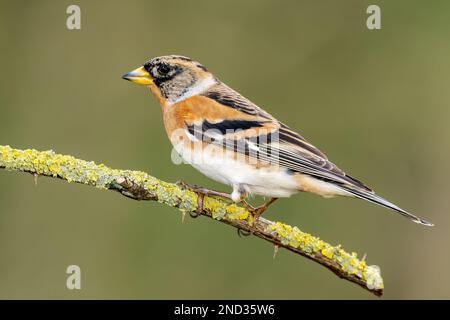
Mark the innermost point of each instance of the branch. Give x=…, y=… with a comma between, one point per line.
x=142, y=186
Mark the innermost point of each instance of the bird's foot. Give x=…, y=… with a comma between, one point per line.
x=256, y=213
x=201, y=193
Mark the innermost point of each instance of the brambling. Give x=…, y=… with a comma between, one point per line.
x=233, y=141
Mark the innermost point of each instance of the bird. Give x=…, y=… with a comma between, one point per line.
x=233, y=141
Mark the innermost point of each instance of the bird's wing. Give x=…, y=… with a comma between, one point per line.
x=226, y=96
x=260, y=136
x=268, y=140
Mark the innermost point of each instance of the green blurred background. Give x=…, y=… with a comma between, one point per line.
x=375, y=101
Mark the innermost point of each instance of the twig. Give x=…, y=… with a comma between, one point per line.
x=142, y=186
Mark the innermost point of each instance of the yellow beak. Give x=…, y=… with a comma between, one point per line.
x=139, y=76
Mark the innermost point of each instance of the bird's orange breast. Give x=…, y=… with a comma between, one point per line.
x=197, y=109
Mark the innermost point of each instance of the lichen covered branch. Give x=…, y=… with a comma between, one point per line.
x=142, y=186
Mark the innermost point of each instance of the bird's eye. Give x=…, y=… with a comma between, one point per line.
x=163, y=69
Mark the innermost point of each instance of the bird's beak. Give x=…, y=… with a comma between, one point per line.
x=139, y=76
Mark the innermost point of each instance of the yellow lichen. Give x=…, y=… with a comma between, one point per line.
x=75, y=170
x=234, y=212
x=311, y=245
x=328, y=252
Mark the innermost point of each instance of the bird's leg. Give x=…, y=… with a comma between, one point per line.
x=258, y=211
x=202, y=192
x=240, y=194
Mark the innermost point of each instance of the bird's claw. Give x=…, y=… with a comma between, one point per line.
x=243, y=233
x=185, y=185
x=256, y=212
x=194, y=215
x=200, y=195
x=201, y=190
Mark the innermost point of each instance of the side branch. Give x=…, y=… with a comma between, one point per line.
x=142, y=186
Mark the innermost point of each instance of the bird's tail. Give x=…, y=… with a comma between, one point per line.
x=372, y=197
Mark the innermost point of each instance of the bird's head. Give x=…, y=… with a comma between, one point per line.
x=173, y=78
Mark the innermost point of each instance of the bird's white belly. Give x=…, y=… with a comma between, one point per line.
x=264, y=181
